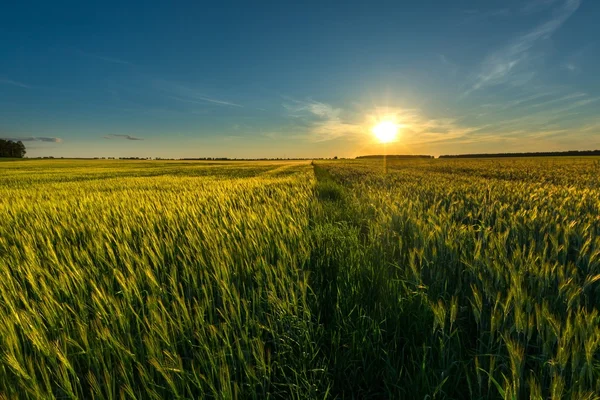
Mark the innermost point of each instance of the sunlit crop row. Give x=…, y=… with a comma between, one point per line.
x=141, y=281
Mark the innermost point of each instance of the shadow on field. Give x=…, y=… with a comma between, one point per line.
x=375, y=323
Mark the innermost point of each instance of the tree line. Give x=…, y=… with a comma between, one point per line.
x=531, y=154
x=12, y=149
x=396, y=156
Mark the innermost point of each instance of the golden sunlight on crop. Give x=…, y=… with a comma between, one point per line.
x=385, y=131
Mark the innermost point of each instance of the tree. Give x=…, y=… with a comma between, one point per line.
x=12, y=149
x=20, y=150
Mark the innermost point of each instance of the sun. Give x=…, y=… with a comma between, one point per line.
x=385, y=131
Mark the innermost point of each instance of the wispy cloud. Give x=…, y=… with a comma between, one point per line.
x=449, y=65
x=534, y=6
x=14, y=83
x=221, y=102
x=276, y=135
x=325, y=122
x=578, y=59
x=187, y=94
x=232, y=138
x=418, y=129
x=571, y=111
x=591, y=127
x=104, y=58
x=577, y=104
x=34, y=139
x=522, y=101
x=571, y=67
x=544, y=117
x=204, y=100
x=502, y=65
x=559, y=100
x=127, y=137
x=316, y=108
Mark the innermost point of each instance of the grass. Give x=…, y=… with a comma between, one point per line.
x=441, y=279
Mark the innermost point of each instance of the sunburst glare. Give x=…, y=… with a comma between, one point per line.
x=386, y=131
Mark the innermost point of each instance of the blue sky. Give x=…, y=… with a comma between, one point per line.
x=304, y=79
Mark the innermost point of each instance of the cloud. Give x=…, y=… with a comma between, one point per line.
x=580, y=58
x=591, y=127
x=534, y=6
x=570, y=112
x=221, y=102
x=559, y=100
x=324, y=121
x=14, y=83
x=504, y=65
x=571, y=67
x=231, y=138
x=104, y=58
x=418, y=129
x=204, y=100
x=546, y=117
x=115, y=136
x=284, y=135
x=190, y=95
x=321, y=110
x=577, y=104
x=522, y=101
x=34, y=139
x=451, y=66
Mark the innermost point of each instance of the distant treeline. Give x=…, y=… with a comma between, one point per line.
x=533, y=154
x=396, y=156
x=188, y=159
x=12, y=149
x=206, y=159
x=251, y=159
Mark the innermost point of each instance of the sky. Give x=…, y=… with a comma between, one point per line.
x=299, y=79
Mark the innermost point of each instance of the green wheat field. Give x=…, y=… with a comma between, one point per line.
x=440, y=279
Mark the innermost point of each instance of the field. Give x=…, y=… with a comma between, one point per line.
x=441, y=279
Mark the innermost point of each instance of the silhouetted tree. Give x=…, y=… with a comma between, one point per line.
x=12, y=149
